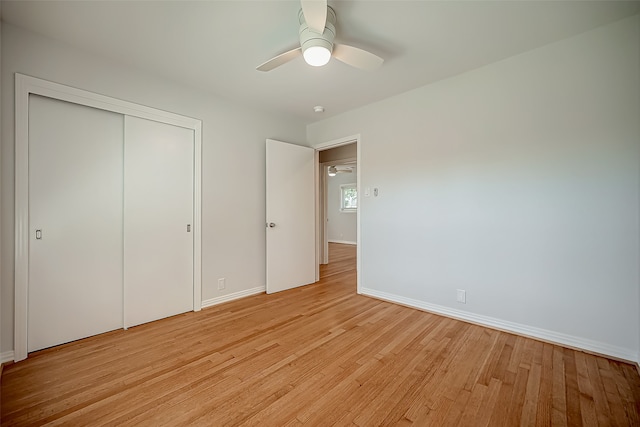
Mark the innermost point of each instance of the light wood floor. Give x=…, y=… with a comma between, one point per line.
x=317, y=355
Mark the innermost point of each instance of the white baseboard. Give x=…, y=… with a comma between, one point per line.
x=517, y=328
x=233, y=296
x=6, y=356
x=343, y=242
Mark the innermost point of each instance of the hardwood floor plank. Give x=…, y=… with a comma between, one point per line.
x=436, y=414
x=529, y=407
x=599, y=395
x=514, y=413
x=316, y=355
x=543, y=414
x=613, y=398
x=490, y=402
x=411, y=389
x=632, y=391
x=492, y=359
x=501, y=412
x=558, y=389
x=475, y=402
x=587, y=404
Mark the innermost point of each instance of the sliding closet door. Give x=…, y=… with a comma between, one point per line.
x=158, y=220
x=75, y=221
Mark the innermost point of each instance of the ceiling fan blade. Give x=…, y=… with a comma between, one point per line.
x=356, y=57
x=315, y=14
x=280, y=59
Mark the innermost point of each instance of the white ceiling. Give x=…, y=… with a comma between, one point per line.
x=216, y=45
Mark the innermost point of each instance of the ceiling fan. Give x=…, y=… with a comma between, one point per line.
x=332, y=170
x=317, y=31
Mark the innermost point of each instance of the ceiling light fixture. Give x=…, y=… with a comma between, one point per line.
x=318, y=109
x=317, y=47
x=333, y=170
x=317, y=55
x=316, y=41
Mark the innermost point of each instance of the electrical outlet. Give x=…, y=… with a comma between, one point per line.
x=221, y=283
x=461, y=296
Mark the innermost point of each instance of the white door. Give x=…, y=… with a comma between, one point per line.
x=291, y=255
x=158, y=220
x=75, y=207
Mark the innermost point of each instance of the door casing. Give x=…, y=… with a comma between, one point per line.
x=319, y=185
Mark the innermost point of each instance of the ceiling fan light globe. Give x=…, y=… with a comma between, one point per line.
x=317, y=56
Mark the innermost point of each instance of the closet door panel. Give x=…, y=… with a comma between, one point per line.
x=158, y=217
x=76, y=201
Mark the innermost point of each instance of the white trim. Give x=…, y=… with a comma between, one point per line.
x=323, y=211
x=343, y=242
x=197, y=217
x=337, y=143
x=318, y=180
x=26, y=85
x=234, y=296
x=102, y=102
x=21, y=249
x=517, y=328
x=7, y=356
x=358, y=220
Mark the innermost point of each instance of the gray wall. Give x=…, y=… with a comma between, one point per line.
x=517, y=182
x=233, y=191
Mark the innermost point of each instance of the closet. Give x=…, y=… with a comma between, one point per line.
x=111, y=216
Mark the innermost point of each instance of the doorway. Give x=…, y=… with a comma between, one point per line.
x=338, y=211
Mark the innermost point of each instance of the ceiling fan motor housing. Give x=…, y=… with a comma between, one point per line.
x=310, y=38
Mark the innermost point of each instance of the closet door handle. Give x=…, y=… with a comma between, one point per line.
x=38, y=234
x=188, y=228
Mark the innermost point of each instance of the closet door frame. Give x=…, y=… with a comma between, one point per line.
x=25, y=86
